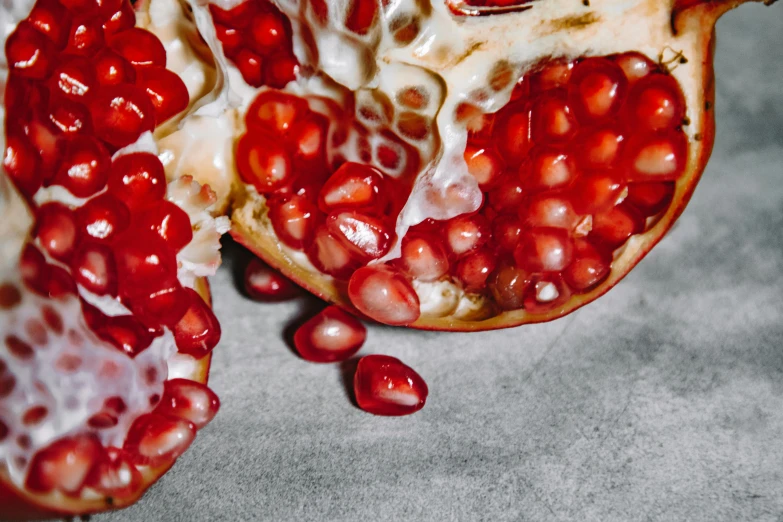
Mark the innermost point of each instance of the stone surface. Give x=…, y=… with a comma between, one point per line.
x=661, y=401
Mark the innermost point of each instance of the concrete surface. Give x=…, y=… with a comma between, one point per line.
x=661, y=401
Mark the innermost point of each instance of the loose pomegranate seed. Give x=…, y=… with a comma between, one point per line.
x=154, y=439
x=294, y=219
x=198, y=332
x=423, y=257
x=167, y=220
x=588, y=268
x=508, y=285
x=484, y=165
x=29, y=53
x=93, y=268
x=545, y=293
x=615, y=227
x=263, y=283
x=657, y=157
x=353, y=186
x=473, y=270
x=102, y=218
x=656, y=103
x=163, y=307
x=145, y=263
x=140, y=47
x=544, y=250
x=549, y=211
x=115, y=475
x=507, y=196
x=549, y=168
x=56, y=230
x=251, y=66
x=598, y=148
x=329, y=256
x=63, y=465
x=121, y=113
x=596, y=193
x=49, y=17
x=384, y=295
x=465, y=233
x=332, y=335
x=650, y=198
x=263, y=163
x=86, y=36
x=384, y=385
x=275, y=111
x=512, y=133
x=364, y=236
x=635, y=66
x=138, y=179
x=597, y=89
x=21, y=163
x=166, y=91
x=188, y=400
x=112, y=69
x=125, y=332
x=552, y=119
x=121, y=18
x=84, y=168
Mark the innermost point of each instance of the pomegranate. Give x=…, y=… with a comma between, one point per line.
x=105, y=322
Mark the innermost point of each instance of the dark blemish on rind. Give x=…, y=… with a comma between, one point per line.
x=707, y=105
x=683, y=60
x=698, y=137
x=109, y=501
x=573, y=22
x=586, y=3
x=686, y=121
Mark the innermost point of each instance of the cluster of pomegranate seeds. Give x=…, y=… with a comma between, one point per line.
x=384, y=385
x=256, y=37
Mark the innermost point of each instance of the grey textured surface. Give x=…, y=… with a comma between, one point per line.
x=661, y=401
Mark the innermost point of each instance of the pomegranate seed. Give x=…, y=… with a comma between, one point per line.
x=549, y=211
x=545, y=293
x=508, y=285
x=588, y=269
x=59, y=283
x=384, y=295
x=29, y=53
x=34, y=269
x=553, y=76
x=168, y=221
x=597, y=89
x=507, y=196
x=56, y=230
x=75, y=79
x=294, y=220
x=69, y=117
x=598, y=148
x=656, y=103
x=154, y=439
x=635, y=66
x=657, y=157
x=275, y=111
x=308, y=139
x=125, y=332
x=138, y=179
x=93, y=268
x=263, y=162
x=250, y=65
x=63, y=465
x=473, y=270
x=544, y=250
x=362, y=15
x=230, y=37
x=386, y=386
x=511, y=133
x=596, y=193
x=263, y=283
x=353, y=187
x=506, y=231
x=549, y=168
x=650, y=198
x=164, y=307
x=166, y=91
x=121, y=113
x=552, y=119
x=484, y=165
x=198, y=332
x=615, y=227
x=267, y=32
x=86, y=36
x=84, y=168
x=332, y=335
x=329, y=256
x=188, y=400
x=121, y=18
x=145, y=263
x=140, y=47
x=364, y=236
x=423, y=257
x=280, y=70
x=115, y=475
x=80, y=6
x=465, y=233
x=21, y=163
x=102, y=218
x=49, y=17
x=238, y=16
x=112, y=69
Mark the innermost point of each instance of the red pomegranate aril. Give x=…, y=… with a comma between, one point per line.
x=263, y=162
x=508, y=285
x=263, y=283
x=80, y=6
x=86, y=36
x=544, y=250
x=384, y=385
x=125, y=332
x=465, y=233
x=361, y=16
x=34, y=269
x=198, y=332
x=102, y=218
x=615, y=227
x=332, y=335
x=423, y=257
x=484, y=165
x=75, y=79
x=366, y=237
x=549, y=168
x=473, y=270
x=49, y=17
x=164, y=307
x=507, y=196
x=188, y=400
x=59, y=282
x=384, y=295
x=112, y=69
x=552, y=76
x=84, y=168
x=635, y=66
x=650, y=198
x=552, y=119
x=29, y=53
x=657, y=157
x=238, y=16
x=267, y=31
x=597, y=89
x=154, y=439
x=656, y=103
x=140, y=47
x=69, y=117
x=45, y=137
x=547, y=210
x=145, y=263
x=63, y=465
x=115, y=475
x=294, y=219
x=598, y=148
x=230, y=37
x=21, y=163
x=280, y=70
x=506, y=230
x=353, y=186
x=121, y=19
x=545, y=293
x=93, y=268
x=511, y=133
x=251, y=66
x=168, y=221
x=329, y=256
x=595, y=193
x=166, y=91
x=56, y=230
x=588, y=269
x=121, y=113
x=275, y=111
x=138, y=179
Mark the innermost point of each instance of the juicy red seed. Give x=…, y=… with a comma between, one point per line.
x=423, y=257
x=125, y=332
x=69, y=117
x=21, y=163
x=506, y=231
x=596, y=193
x=597, y=89
x=238, y=16
x=198, y=332
x=552, y=119
x=121, y=113
x=465, y=233
x=34, y=269
x=49, y=17
x=549, y=168
x=615, y=227
x=308, y=140
x=138, y=179
x=508, y=285
x=230, y=37
x=485, y=166
x=656, y=103
x=63, y=465
x=353, y=186
x=75, y=79
x=544, y=250
x=164, y=307
x=112, y=69
x=250, y=65
x=18, y=348
x=122, y=18
x=280, y=70
x=102, y=218
x=59, y=283
x=86, y=36
x=140, y=47
x=473, y=270
x=362, y=15
x=145, y=263
x=267, y=31
x=511, y=133
x=188, y=400
x=598, y=148
x=364, y=236
x=332, y=335
x=84, y=168
x=167, y=220
x=154, y=439
x=329, y=256
x=384, y=295
x=384, y=385
x=166, y=91
x=507, y=196
x=650, y=198
x=275, y=111
x=263, y=283
x=588, y=269
x=29, y=53
x=102, y=420
x=93, y=268
x=45, y=137
x=263, y=162
x=80, y=6
x=52, y=319
x=635, y=66
x=294, y=220
x=553, y=76
x=115, y=475
x=549, y=211
x=56, y=230
x=657, y=156
x=545, y=293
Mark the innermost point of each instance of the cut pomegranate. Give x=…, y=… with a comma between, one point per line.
x=385, y=386
x=332, y=335
x=262, y=283
x=64, y=465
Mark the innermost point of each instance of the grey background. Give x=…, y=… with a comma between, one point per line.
x=661, y=401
